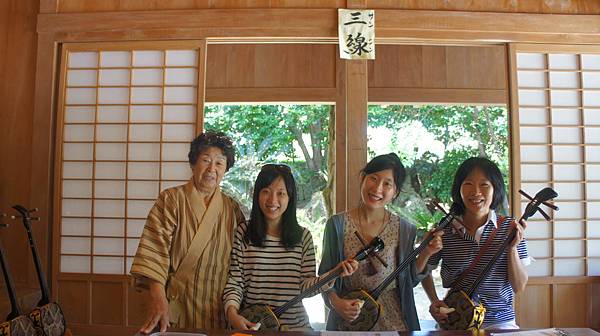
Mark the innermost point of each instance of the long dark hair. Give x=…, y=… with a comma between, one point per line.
x=383, y=162
x=291, y=231
x=490, y=170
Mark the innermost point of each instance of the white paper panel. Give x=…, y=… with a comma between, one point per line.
x=569, y=267
x=569, y=248
x=74, y=264
x=571, y=210
x=532, y=188
x=142, y=189
x=176, y=171
x=109, y=189
x=109, y=246
x=112, y=114
x=565, y=98
x=566, y=153
x=531, y=61
x=532, y=98
x=75, y=245
x=593, y=190
x=145, y=113
x=535, y=79
x=80, y=189
x=182, y=57
x=78, y=133
x=77, y=170
x=178, y=132
x=132, y=245
x=594, y=266
x=115, y=59
x=592, y=172
x=534, y=135
x=175, y=151
x=110, y=170
x=76, y=226
x=534, y=154
x=114, y=77
x=568, y=229
x=77, y=151
x=83, y=59
x=182, y=76
x=179, y=113
x=566, y=135
x=591, y=98
x=592, y=135
x=139, y=209
x=592, y=154
x=562, y=61
x=591, y=80
x=593, y=210
x=144, y=132
x=111, y=133
x=147, y=77
x=135, y=227
x=146, y=95
x=143, y=58
x=566, y=116
x=180, y=95
x=109, y=227
x=593, y=229
x=144, y=151
x=590, y=61
x=564, y=80
x=143, y=170
x=593, y=248
x=168, y=184
x=108, y=265
x=81, y=78
x=80, y=96
x=110, y=151
x=537, y=229
x=79, y=114
x=109, y=208
x=539, y=248
x=567, y=172
x=113, y=95
x=535, y=172
x=539, y=268
x=129, y=263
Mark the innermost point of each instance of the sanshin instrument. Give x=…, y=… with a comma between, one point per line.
x=47, y=316
x=469, y=312
x=371, y=309
x=16, y=323
x=267, y=318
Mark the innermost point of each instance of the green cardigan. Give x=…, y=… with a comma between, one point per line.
x=333, y=254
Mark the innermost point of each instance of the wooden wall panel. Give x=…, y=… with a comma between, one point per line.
x=535, y=307
x=476, y=67
x=73, y=297
x=108, y=303
x=570, y=305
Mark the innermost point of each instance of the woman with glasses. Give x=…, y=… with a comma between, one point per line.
x=273, y=257
x=183, y=255
x=346, y=233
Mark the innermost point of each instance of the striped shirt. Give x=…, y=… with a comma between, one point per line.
x=271, y=275
x=460, y=249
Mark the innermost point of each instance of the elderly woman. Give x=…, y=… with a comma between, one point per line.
x=183, y=255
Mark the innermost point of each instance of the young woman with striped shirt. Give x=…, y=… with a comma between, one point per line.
x=273, y=257
x=477, y=191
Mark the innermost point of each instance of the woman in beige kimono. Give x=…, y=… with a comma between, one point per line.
x=183, y=255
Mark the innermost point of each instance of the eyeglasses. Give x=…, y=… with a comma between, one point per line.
x=277, y=166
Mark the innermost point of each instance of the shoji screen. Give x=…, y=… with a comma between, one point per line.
x=126, y=117
x=558, y=123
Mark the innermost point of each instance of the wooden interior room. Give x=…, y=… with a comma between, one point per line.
x=274, y=51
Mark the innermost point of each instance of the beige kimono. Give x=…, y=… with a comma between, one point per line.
x=186, y=246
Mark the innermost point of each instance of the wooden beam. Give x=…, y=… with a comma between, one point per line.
x=270, y=95
x=441, y=96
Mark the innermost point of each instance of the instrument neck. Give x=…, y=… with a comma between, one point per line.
x=10, y=288
x=45, y=299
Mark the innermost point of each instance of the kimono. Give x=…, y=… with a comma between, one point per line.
x=186, y=246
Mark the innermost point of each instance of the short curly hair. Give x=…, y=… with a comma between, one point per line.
x=212, y=139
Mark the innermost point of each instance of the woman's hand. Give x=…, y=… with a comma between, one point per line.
x=520, y=232
x=435, y=245
x=346, y=309
x=158, y=310
x=237, y=321
x=348, y=267
x=439, y=315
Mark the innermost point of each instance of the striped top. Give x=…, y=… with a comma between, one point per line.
x=271, y=275
x=460, y=249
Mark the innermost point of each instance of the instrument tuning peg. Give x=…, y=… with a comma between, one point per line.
x=14, y=217
x=2, y=225
x=35, y=218
x=33, y=210
x=3, y=215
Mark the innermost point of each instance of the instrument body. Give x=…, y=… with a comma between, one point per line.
x=269, y=317
x=467, y=314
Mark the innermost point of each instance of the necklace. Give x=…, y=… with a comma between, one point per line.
x=360, y=225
